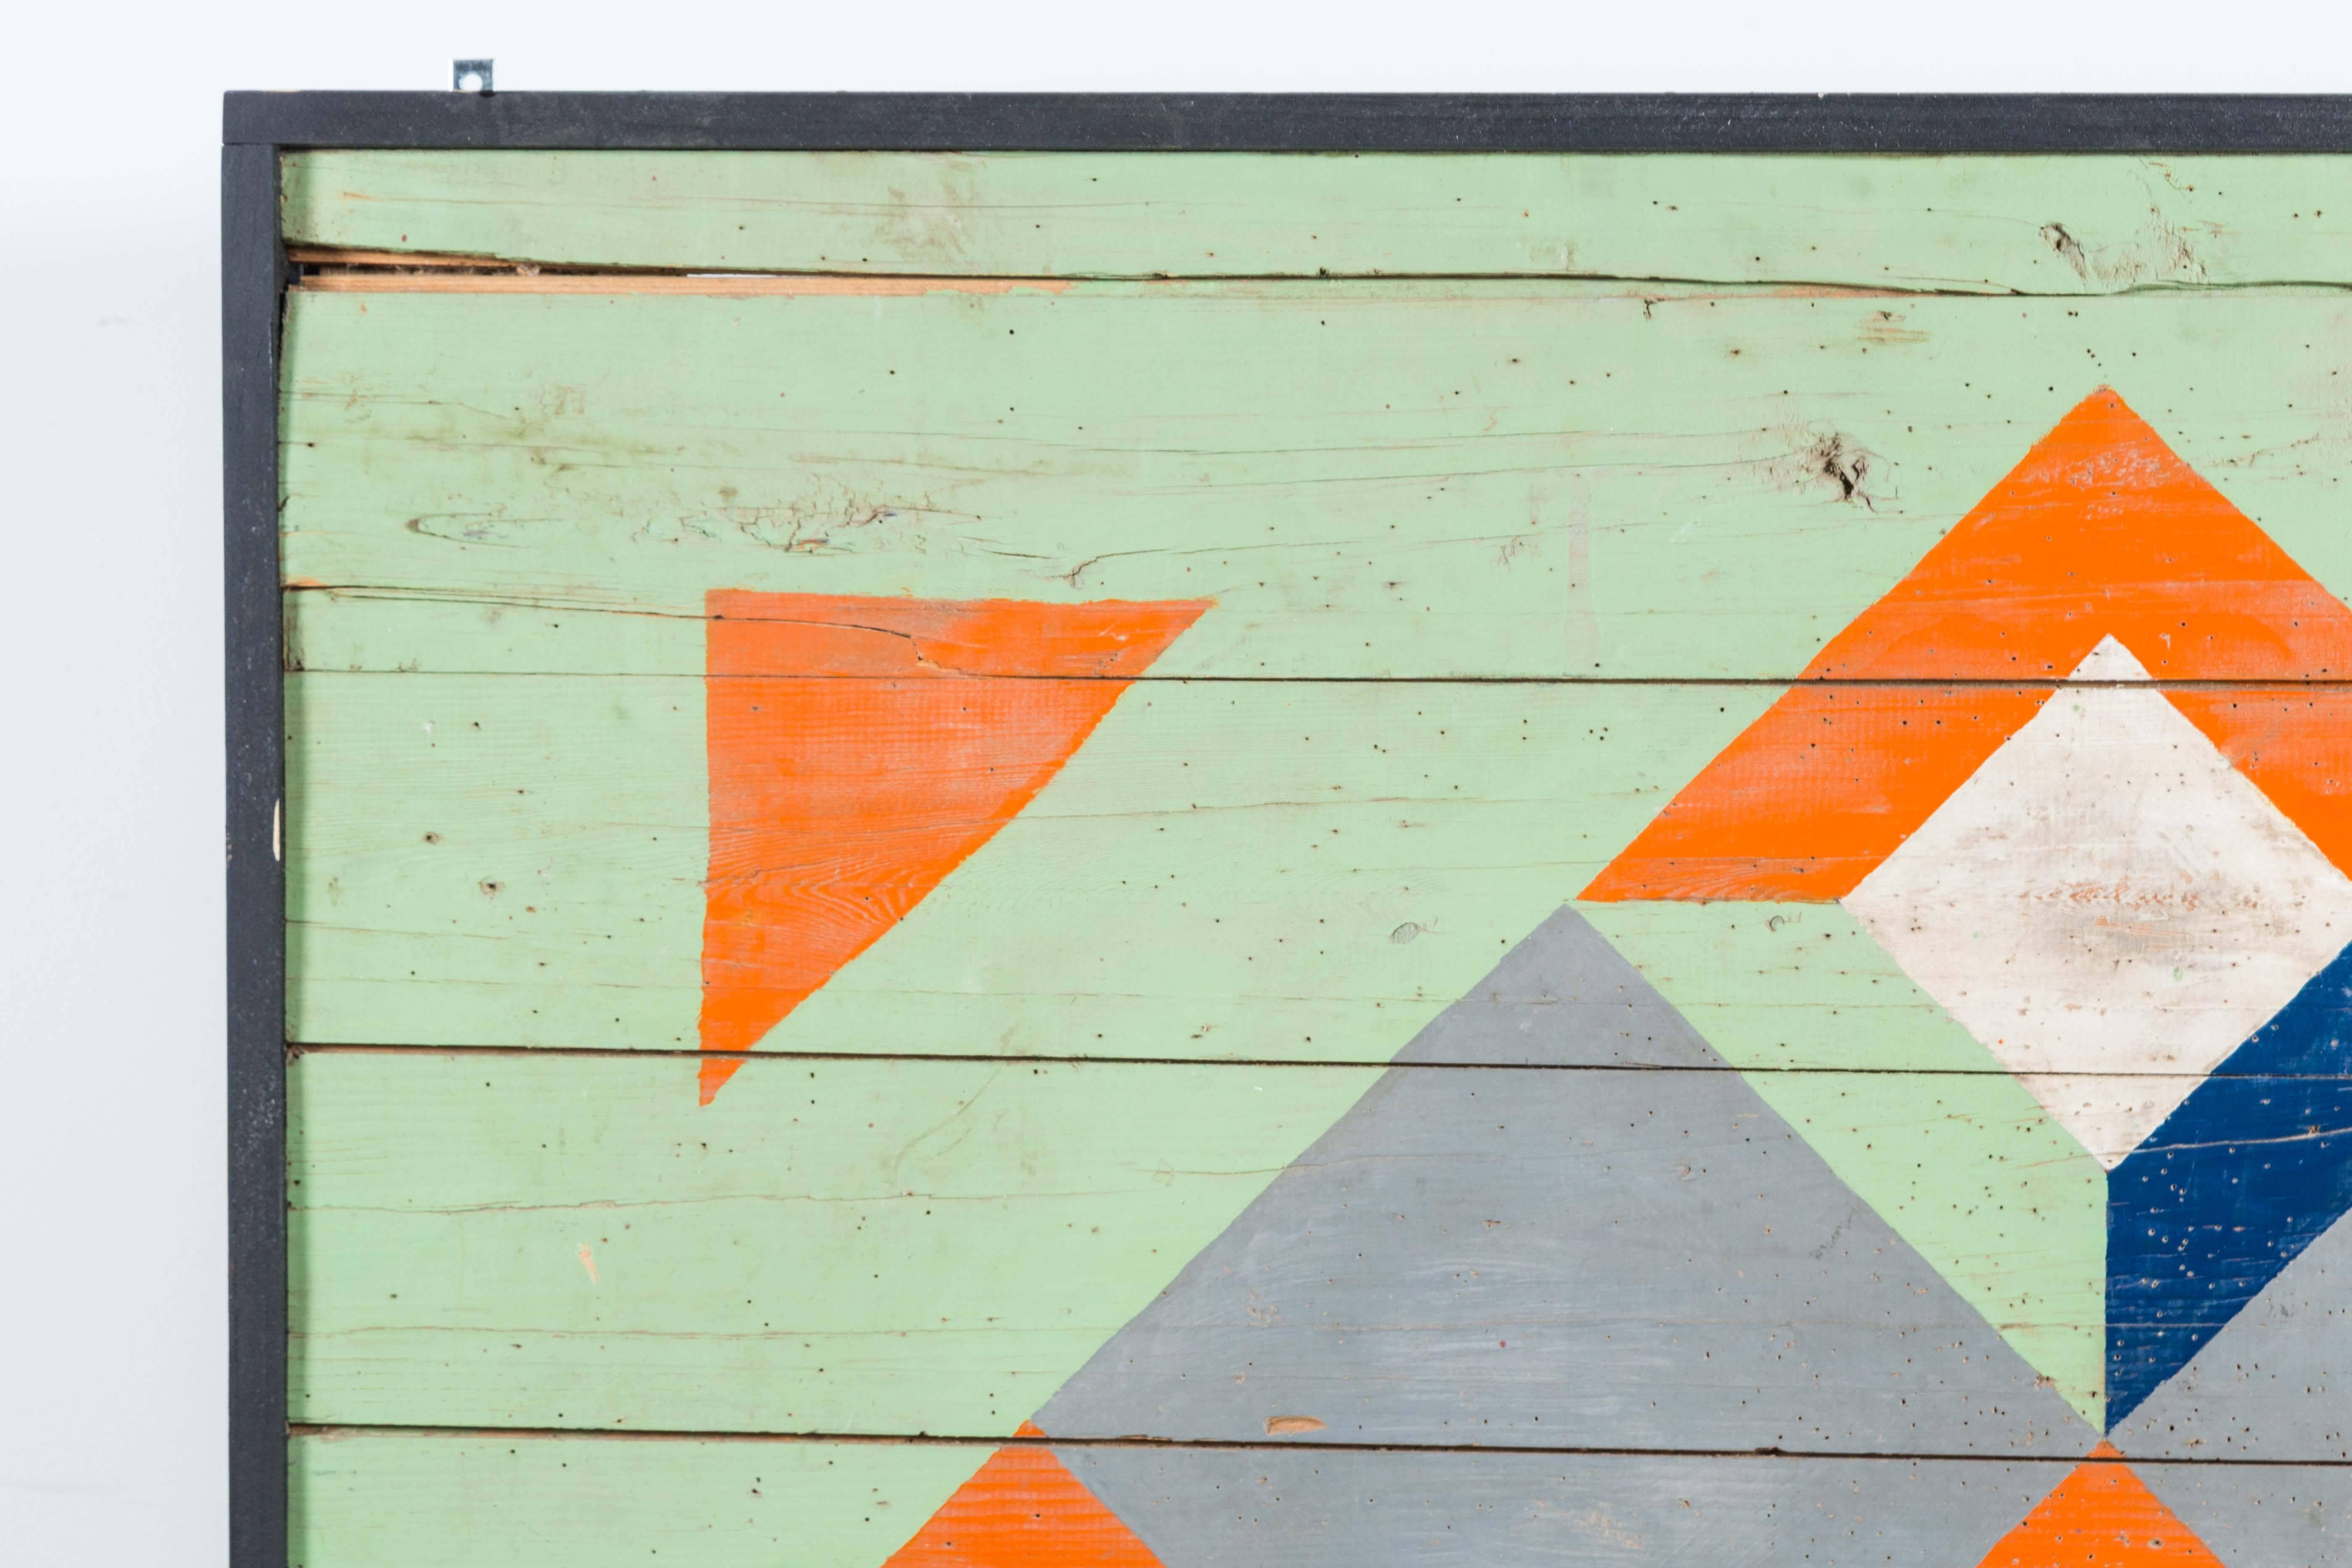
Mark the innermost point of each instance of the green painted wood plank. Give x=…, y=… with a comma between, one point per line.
x=1253, y=871
x=1371, y=480
x=502, y=513
x=513, y=1239
x=364, y=1499
x=552, y=896
x=2048, y=225
x=360, y=1499
x=848, y=1246
x=1225, y=871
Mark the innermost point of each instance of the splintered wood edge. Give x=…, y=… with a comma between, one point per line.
x=333, y=270
x=378, y=272
x=342, y=255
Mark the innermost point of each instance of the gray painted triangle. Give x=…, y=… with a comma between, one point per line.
x=1223, y=1509
x=2272, y=1384
x=1565, y=1256
x=1562, y=996
x=2255, y=1516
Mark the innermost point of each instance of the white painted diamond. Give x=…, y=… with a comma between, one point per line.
x=2106, y=898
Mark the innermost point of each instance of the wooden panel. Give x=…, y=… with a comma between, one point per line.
x=366, y=1500
x=507, y=860
x=363, y=1499
x=385, y=1500
x=1649, y=852
x=511, y=860
x=531, y=1240
x=829, y=1247
x=2049, y=226
x=1375, y=479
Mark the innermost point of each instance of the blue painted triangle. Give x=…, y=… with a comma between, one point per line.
x=2252, y=1168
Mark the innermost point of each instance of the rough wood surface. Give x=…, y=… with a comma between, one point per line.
x=464, y=1501
x=370, y=1500
x=370, y=272
x=1335, y=860
x=509, y=861
x=1368, y=479
x=845, y=1247
x=2048, y=226
x=860, y=1246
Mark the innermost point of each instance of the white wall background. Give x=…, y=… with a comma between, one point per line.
x=111, y=1318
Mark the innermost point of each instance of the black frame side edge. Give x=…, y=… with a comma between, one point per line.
x=1300, y=122
x=253, y=274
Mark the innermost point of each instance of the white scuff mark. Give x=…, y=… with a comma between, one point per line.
x=588, y=1261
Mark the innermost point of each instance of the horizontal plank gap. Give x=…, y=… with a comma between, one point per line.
x=718, y=285
x=374, y=593
x=1955, y=683
x=379, y=1048
x=327, y=270
x=742, y=285
x=335, y=1430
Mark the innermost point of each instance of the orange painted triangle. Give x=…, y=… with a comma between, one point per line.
x=1023, y=1509
x=2100, y=1516
x=859, y=750
x=2102, y=531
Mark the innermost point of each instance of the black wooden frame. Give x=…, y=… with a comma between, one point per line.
x=257, y=126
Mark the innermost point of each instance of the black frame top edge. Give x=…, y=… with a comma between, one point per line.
x=1297, y=123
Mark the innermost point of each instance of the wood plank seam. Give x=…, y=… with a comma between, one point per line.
x=458, y=275
x=385, y=273
x=895, y=1439
x=634, y=1053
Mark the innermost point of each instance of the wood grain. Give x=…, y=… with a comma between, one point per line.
x=1509, y=491
x=860, y=750
x=845, y=1247
x=537, y=1241
x=1268, y=870
x=371, y=1499
x=1994, y=226
x=519, y=860
x=368, y=1500
x=1375, y=479
x=364, y=1499
x=365, y=272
